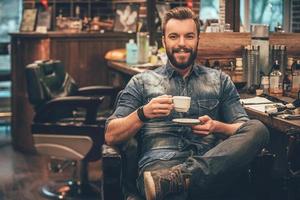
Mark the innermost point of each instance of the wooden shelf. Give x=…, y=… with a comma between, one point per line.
x=129, y=1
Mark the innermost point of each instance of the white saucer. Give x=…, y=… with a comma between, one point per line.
x=187, y=121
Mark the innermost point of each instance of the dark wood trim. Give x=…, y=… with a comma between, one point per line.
x=53, y=34
x=232, y=14
x=151, y=20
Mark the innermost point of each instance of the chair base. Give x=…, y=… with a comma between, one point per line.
x=70, y=190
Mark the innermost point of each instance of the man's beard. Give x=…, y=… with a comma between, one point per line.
x=184, y=65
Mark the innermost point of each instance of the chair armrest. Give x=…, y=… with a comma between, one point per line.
x=59, y=108
x=108, y=91
x=112, y=167
x=98, y=90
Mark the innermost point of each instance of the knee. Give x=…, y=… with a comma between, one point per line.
x=257, y=131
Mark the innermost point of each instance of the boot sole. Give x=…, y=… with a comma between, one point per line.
x=149, y=186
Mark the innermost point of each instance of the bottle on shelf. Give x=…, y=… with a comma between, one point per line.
x=239, y=65
x=276, y=80
x=296, y=77
x=143, y=47
x=265, y=84
x=77, y=12
x=286, y=85
x=131, y=52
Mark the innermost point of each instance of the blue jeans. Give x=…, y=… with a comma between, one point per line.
x=214, y=169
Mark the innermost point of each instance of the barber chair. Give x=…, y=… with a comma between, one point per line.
x=66, y=125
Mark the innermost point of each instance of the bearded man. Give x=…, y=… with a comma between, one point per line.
x=178, y=161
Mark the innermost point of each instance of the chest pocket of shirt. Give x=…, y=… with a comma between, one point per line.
x=208, y=107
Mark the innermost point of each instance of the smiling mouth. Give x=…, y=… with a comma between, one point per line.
x=182, y=50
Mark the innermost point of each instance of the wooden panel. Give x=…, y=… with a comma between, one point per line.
x=23, y=53
x=84, y=58
x=222, y=45
x=291, y=40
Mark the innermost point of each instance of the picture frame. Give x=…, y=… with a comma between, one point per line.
x=44, y=19
x=28, y=20
x=126, y=18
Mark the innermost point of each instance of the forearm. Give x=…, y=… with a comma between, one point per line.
x=122, y=129
x=227, y=129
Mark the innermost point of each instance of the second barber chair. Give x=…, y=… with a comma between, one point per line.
x=66, y=124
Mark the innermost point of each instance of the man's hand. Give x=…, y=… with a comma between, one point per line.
x=206, y=127
x=209, y=125
x=160, y=106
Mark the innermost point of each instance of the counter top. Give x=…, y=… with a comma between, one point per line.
x=127, y=69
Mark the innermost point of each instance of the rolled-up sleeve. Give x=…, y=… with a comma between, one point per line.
x=130, y=99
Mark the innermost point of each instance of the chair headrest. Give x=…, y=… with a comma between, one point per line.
x=47, y=80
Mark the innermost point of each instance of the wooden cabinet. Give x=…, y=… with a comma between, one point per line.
x=82, y=54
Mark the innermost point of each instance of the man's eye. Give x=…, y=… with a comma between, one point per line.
x=173, y=37
x=190, y=37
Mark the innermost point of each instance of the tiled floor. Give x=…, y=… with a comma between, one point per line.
x=22, y=175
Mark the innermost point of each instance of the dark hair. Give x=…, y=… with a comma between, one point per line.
x=180, y=13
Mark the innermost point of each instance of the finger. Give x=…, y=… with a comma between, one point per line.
x=164, y=100
x=201, y=132
x=165, y=96
x=204, y=118
x=160, y=111
x=202, y=126
x=160, y=115
x=163, y=106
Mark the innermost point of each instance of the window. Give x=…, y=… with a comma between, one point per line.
x=262, y=12
x=10, y=13
x=209, y=9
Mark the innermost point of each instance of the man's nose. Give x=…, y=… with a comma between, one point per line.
x=181, y=41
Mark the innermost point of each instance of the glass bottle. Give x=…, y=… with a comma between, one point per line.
x=131, y=52
x=238, y=64
x=265, y=83
x=286, y=85
x=276, y=80
x=296, y=77
x=143, y=47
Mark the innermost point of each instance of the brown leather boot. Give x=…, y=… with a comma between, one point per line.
x=160, y=183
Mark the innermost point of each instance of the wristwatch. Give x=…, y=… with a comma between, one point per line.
x=141, y=115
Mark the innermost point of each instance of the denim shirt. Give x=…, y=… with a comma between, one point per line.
x=212, y=93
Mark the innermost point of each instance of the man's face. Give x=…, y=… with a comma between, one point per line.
x=181, y=41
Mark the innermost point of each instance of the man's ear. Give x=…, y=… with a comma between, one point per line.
x=163, y=41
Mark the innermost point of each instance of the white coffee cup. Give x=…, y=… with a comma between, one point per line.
x=181, y=103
